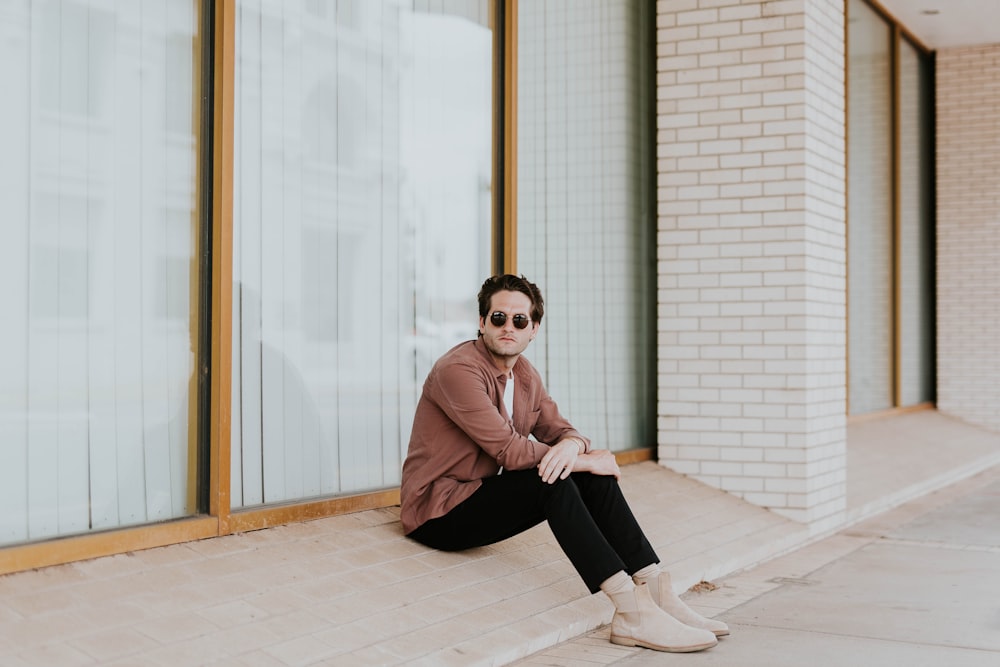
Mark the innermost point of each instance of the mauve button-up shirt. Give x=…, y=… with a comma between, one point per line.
x=463, y=434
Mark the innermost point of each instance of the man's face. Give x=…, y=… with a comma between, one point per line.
x=507, y=342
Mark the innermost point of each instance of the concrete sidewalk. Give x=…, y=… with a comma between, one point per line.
x=352, y=590
x=916, y=586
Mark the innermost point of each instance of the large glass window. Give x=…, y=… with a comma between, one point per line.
x=916, y=228
x=362, y=230
x=586, y=208
x=870, y=210
x=98, y=179
x=890, y=217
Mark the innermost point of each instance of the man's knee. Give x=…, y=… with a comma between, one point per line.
x=586, y=479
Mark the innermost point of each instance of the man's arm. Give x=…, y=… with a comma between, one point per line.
x=566, y=457
x=599, y=462
x=460, y=390
x=551, y=427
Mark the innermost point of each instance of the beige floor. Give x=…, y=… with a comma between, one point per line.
x=351, y=590
x=921, y=633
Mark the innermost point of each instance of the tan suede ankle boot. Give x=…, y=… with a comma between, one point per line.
x=639, y=622
x=663, y=595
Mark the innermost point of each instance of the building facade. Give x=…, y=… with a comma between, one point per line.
x=241, y=231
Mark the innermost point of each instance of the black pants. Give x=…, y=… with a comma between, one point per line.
x=587, y=513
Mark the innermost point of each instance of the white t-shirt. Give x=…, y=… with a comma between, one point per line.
x=508, y=395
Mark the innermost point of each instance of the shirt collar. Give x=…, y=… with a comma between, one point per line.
x=481, y=347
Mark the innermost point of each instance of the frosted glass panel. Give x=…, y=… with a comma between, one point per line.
x=361, y=223
x=586, y=208
x=869, y=210
x=98, y=175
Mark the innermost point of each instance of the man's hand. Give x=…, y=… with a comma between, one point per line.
x=559, y=461
x=599, y=462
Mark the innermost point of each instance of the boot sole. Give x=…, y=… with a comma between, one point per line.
x=629, y=641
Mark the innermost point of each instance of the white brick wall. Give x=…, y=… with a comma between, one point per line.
x=968, y=234
x=751, y=253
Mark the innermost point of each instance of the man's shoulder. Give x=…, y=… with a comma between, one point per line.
x=464, y=349
x=463, y=354
x=461, y=366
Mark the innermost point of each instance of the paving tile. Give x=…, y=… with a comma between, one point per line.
x=365, y=603
x=226, y=545
x=41, y=601
x=113, y=613
x=488, y=617
x=110, y=566
x=348, y=637
x=413, y=646
x=325, y=566
x=45, y=629
x=103, y=590
x=251, y=636
x=500, y=646
x=434, y=609
x=443, y=560
x=107, y=645
x=175, y=628
x=211, y=589
x=271, y=577
x=231, y=613
x=7, y=615
x=176, y=600
x=301, y=651
x=12, y=660
x=173, y=554
x=60, y=654
x=370, y=655
x=400, y=571
x=256, y=658
x=402, y=620
x=595, y=650
x=277, y=600
x=335, y=612
x=199, y=651
x=366, y=556
x=210, y=568
x=33, y=580
x=293, y=624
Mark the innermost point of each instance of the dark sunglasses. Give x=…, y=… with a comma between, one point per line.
x=499, y=319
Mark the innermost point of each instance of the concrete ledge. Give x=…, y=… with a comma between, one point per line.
x=896, y=459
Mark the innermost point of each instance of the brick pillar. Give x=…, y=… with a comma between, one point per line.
x=968, y=233
x=752, y=250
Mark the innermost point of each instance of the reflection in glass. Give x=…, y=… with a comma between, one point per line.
x=98, y=175
x=869, y=214
x=361, y=224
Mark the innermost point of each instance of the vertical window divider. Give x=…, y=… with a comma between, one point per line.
x=930, y=134
x=897, y=233
x=510, y=137
x=847, y=214
x=199, y=464
x=504, y=242
x=220, y=368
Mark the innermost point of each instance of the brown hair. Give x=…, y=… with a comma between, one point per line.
x=511, y=283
